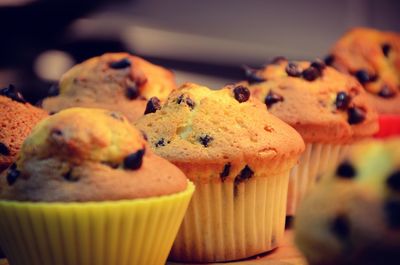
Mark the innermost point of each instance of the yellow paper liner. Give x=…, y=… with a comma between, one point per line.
x=139, y=231
x=316, y=160
x=224, y=222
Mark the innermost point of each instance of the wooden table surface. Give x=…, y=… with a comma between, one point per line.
x=286, y=254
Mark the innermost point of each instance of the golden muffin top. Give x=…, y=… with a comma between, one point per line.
x=115, y=81
x=322, y=104
x=88, y=155
x=198, y=126
x=373, y=57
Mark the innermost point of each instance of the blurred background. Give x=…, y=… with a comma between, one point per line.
x=204, y=41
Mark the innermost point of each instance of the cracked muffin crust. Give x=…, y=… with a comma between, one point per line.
x=201, y=126
x=322, y=104
x=88, y=155
x=115, y=81
x=17, y=118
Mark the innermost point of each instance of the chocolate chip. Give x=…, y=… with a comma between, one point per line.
x=53, y=91
x=342, y=100
x=70, y=177
x=12, y=93
x=244, y=175
x=187, y=100
x=311, y=73
x=144, y=135
x=356, y=115
x=242, y=94
x=116, y=116
x=4, y=150
x=205, y=140
x=362, y=76
x=121, y=64
x=329, y=59
x=386, y=92
x=56, y=134
x=340, y=227
x=346, y=170
x=386, y=49
x=292, y=69
x=272, y=98
x=225, y=172
x=134, y=160
x=152, y=105
x=319, y=64
x=190, y=103
x=132, y=92
x=161, y=142
x=12, y=174
x=393, y=181
x=392, y=213
x=252, y=75
x=278, y=60
x=373, y=78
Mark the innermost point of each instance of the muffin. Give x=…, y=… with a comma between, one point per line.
x=353, y=216
x=373, y=57
x=238, y=156
x=114, y=81
x=17, y=117
x=86, y=189
x=329, y=109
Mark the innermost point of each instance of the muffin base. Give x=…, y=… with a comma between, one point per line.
x=139, y=231
x=227, y=222
x=316, y=160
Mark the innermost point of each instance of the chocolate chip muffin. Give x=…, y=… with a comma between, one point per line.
x=353, y=216
x=239, y=157
x=80, y=153
x=17, y=117
x=88, y=190
x=373, y=57
x=329, y=109
x=115, y=81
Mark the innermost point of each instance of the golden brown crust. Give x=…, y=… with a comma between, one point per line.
x=310, y=106
x=88, y=155
x=95, y=84
x=16, y=122
x=378, y=54
x=214, y=129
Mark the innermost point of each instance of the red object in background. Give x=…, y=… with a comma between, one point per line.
x=389, y=125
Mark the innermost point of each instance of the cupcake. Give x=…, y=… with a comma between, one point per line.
x=353, y=216
x=114, y=81
x=238, y=156
x=86, y=189
x=17, y=117
x=373, y=57
x=329, y=109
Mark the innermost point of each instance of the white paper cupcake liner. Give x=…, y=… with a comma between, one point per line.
x=316, y=160
x=224, y=222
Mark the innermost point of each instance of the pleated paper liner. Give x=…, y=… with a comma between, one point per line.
x=139, y=231
x=224, y=222
x=316, y=160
